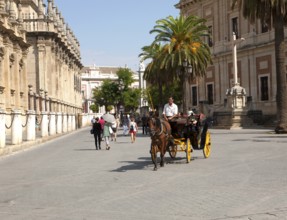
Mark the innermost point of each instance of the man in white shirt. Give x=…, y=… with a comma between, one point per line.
x=170, y=110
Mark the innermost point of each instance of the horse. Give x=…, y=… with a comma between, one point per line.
x=160, y=132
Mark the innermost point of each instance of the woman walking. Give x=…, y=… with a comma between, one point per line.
x=97, y=129
x=133, y=129
x=107, y=134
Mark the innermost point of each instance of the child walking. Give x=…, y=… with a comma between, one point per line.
x=133, y=129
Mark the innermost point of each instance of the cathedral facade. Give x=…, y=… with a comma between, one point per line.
x=40, y=67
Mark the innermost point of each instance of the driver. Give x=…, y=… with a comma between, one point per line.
x=170, y=110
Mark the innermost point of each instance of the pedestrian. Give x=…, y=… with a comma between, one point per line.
x=107, y=134
x=133, y=129
x=125, y=125
x=102, y=122
x=115, y=126
x=97, y=129
x=93, y=120
x=144, y=124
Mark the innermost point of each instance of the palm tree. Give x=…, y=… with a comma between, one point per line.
x=153, y=72
x=272, y=12
x=182, y=42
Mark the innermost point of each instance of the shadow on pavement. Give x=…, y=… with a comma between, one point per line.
x=134, y=165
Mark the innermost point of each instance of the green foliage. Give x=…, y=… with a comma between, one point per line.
x=172, y=90
x=131, y=99
x=94, y=108
x=115, y=93
x=109, y=108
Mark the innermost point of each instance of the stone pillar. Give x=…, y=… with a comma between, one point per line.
x=69, y=122
x=44, y=124
x=2, y=129
x=31, y=125
x=31, y=98
x=52, y=123
x=59, y=128
x=73, y=122
x=16, y=129
x=65, y=123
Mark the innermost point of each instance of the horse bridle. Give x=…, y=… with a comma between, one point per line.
x=161, y=130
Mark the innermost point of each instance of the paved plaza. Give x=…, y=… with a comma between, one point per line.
x=245, y=178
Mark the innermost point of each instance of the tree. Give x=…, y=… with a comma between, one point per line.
x=106, y=94
x=153, y=73
x=272, y=12
x=182, y=42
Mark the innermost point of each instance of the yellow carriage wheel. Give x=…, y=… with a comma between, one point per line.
x=207, y=145
x=188, y=150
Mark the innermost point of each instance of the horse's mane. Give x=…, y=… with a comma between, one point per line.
x=157, y=122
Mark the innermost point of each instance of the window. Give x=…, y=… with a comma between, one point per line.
x=264, y=88
x=235, y=27
x=264, y=27
x=210, y=94
x=194, y=95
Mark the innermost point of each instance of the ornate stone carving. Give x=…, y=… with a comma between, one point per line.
x=2, y=53
x=12, y=59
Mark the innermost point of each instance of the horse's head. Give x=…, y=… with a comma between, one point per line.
x=154, y=125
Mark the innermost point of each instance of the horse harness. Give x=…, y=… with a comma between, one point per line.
x=155, y=134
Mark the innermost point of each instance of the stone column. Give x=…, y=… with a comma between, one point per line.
x=31, y=125
x=2, y=129
x=16, y=129
x=69, y=122
x=59, y=128
x=52, y=123
x=44, y=124
x=31, y=98
x=65, y=123
x=73, y=122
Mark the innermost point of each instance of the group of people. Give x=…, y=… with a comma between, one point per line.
x=107, y=131
x=104, y=130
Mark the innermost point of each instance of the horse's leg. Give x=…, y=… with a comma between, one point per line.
x=153, y=152
x=162, y=153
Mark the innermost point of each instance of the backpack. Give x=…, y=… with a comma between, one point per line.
x=132, y=128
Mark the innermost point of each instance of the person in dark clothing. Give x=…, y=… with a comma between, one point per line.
x=144, y=124
x=97, y=133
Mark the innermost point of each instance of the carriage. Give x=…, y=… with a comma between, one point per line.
x=184, y=134
x=190, y=134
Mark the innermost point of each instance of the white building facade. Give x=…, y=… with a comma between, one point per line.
x=93, y=77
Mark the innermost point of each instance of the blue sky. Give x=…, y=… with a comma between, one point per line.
x=112, y=32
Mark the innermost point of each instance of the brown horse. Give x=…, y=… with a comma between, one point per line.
x=160, y=132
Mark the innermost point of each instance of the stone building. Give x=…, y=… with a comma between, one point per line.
x=93, y=77
x=255, y=59
x=40, y=63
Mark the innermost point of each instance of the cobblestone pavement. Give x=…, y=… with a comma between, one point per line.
x=245, y=178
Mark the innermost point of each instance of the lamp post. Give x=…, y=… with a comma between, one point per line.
x=121, y=88
x=187, y=70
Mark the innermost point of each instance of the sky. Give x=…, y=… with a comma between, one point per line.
x=112, y=32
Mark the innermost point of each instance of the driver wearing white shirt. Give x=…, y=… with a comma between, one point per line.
x=170, y=110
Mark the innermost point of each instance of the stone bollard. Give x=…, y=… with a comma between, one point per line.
x=16, y=129
x=31, y=125
x=59, y=128
x=69, y=122
x=2, y=129
x=44, y=124
x=52, y=123
x=73, y=122
x=65, y=123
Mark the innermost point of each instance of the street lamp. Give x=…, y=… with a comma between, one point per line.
x=187, y=70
